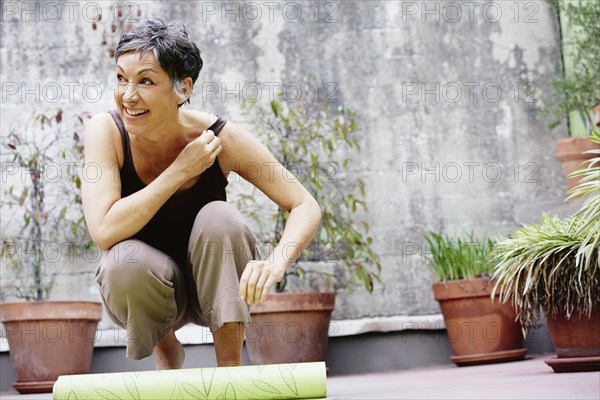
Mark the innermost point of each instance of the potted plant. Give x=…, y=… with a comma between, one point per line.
x=577, y=93
x=46, y=339
x=555, y=266
x=480, y=330
x=315, y=143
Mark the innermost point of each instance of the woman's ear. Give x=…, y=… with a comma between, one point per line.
x=186, y=91
x=188, y=84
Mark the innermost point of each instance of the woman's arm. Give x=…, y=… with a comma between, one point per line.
x=240, y=150
x=110, y=218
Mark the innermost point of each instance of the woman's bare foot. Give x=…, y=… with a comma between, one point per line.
x=169, y=353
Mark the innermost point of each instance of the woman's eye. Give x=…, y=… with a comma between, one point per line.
x=120, y=78
x=147, y=81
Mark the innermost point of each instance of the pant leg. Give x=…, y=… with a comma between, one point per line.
x=220, y=246
x=144, y=292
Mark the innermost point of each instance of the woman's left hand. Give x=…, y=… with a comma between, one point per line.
x=258, y=279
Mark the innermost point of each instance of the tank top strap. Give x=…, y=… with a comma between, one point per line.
x=127, y=160
x=217, y=125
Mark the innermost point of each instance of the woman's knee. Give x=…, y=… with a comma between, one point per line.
x=131, y=262
x=219, y=219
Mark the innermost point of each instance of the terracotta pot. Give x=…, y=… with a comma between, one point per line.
x=47, y=339
x=570, y=153
x=480, y=331
x=576, y=342
x=290, y=328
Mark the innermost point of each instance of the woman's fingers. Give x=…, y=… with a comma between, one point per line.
x=256, y=282
x=260, y=285
x=267, y=288
x=214, y=144
x=207, y=136
x=252, y=285
x=245, y=279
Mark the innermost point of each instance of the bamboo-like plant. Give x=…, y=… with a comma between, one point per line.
x=580, y=91
x=461, y=257
x=555, y=264
x=316, y=142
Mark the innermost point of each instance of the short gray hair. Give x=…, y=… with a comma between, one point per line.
x=170, y=42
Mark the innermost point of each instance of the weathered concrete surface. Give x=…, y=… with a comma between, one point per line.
x=449, y=141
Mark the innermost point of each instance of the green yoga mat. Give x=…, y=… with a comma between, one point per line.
x=273, y=381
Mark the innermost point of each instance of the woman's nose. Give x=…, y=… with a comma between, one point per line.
x=130, y=92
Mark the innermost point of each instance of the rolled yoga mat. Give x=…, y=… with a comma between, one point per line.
x=272, y=381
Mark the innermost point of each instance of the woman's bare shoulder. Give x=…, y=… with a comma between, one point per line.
x=101, y=128
x=103, y=123
x=201, y=119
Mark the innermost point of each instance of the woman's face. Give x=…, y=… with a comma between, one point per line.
x=144, y=94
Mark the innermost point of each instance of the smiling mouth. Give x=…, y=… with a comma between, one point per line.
x=135, y=113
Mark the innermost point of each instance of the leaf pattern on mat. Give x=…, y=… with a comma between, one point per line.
x=230, y=392
x=288, y=377
x=283, y=381
x=192, y=391
x=131, y=386
x=266, y=387
x=107, y=394
x=204, y=380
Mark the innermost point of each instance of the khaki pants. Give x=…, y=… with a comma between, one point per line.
x=148, y=294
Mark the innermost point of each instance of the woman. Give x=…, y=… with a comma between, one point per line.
x=177, y=252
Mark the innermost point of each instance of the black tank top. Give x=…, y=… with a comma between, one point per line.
x=169, y=230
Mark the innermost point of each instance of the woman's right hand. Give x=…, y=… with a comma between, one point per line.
x=199, y=154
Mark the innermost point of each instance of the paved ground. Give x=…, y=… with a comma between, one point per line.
x=528, y=379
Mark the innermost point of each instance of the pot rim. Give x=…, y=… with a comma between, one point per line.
x=296, y=302
x=50, y=310
x=463, y=288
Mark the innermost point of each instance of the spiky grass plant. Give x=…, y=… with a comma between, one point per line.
x=463, y=257
x=589, y=213
x=537, y=267
x=555, y=264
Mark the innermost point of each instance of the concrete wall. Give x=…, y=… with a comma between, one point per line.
x=449, y=142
